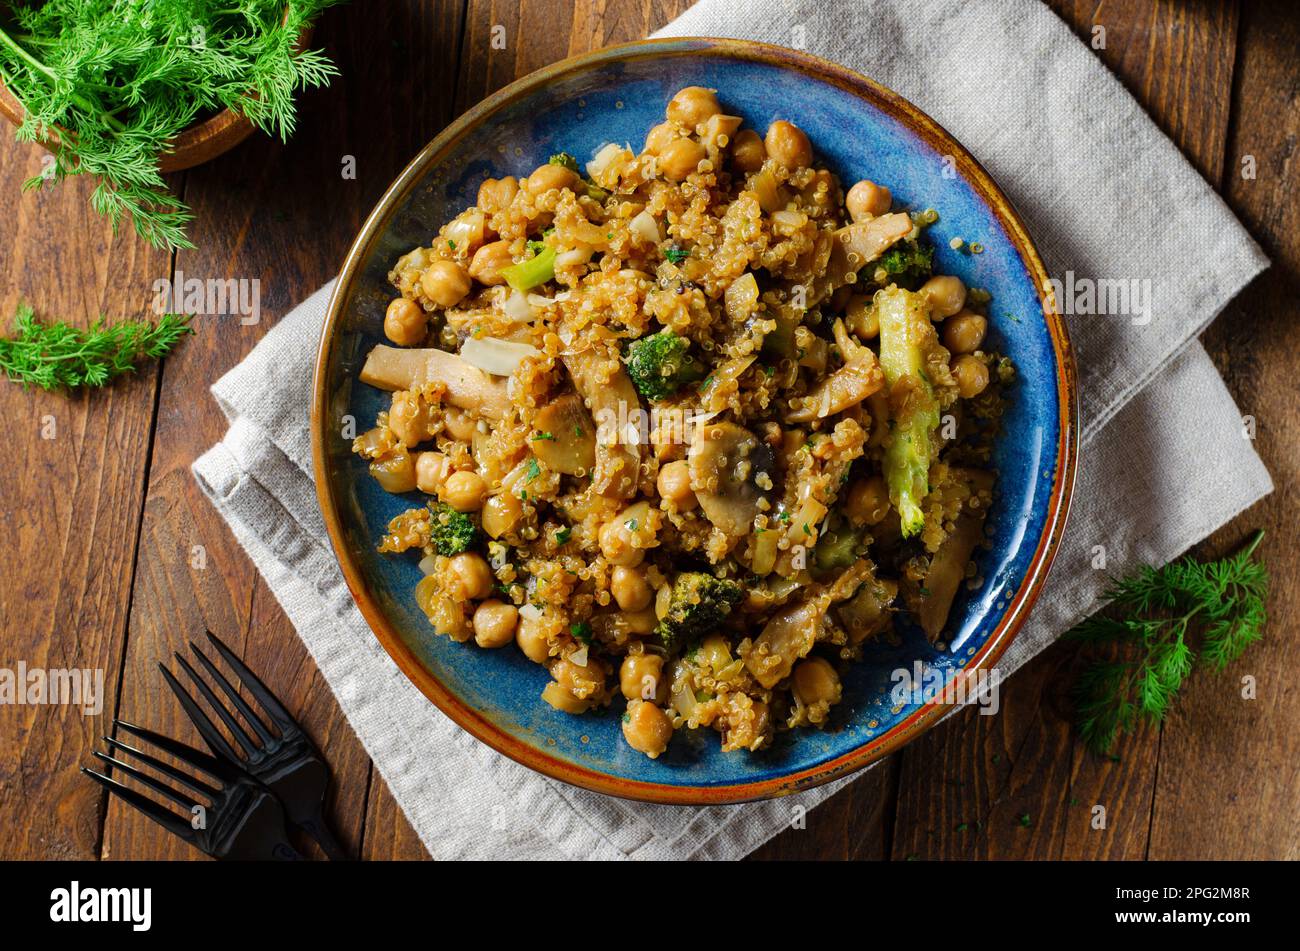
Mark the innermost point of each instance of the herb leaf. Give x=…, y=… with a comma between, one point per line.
x=57, y=355
x=1158, y=613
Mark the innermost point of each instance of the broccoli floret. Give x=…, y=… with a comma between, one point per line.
x=565, y=160
x=699, y=603
x=659, y=364
x=907, y=264
x=450, y=531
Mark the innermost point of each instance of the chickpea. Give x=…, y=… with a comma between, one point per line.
x=489, y=261
x=445, y=283
x=867, y=502
x=494, y=623
x=430, y=471
x=580, y=681
x=674, y=484
x=946, y=295
x=747, y=151
x=464, y=491
x=496, y=194
x=470, y=576
x=971, y=374
x=630, y=589
x=548, y=177
x=815, y=681
x=646, y=728
x=867, y=200
x=501, y=514
x=658, y=138
x=616, y=544
x=405, y=322
x=395, y=474
x=408, y=418
x=679, y=158
x=861, y=317
x=693, y=105
x=532, y=641
x=641, y=623
x=460, y=424
x=788, y=144
x=641, y=676
x=964, y=332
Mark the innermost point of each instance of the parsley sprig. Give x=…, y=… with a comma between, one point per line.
x=1166, y=620
x=56, y=355
x=115, y=80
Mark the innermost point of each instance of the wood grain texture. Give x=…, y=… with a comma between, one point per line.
x=258, y=211
x=1229, y=779
x=69, y=504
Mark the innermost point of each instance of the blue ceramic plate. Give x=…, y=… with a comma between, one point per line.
x=858, y=129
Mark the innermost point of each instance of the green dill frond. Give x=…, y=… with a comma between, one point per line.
x=1152, y=618
x=120, y=79
x=59, y=356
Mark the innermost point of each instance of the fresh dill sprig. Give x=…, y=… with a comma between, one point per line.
x=113, y=81
x=1158, y=612
x=56, y=355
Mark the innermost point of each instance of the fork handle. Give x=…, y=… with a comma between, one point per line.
x=318, y=829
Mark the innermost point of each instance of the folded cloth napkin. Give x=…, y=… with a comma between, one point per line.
x=1164, y=459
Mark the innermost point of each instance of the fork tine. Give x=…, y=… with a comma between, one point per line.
x=200, y=719
x=157, y=785
x=278, y=714
x=186, y=754
x=241, y=735
x=203, y=789
x=158, y=813
x=244, y=709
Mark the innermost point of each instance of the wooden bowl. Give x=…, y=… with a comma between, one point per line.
x=200, y=142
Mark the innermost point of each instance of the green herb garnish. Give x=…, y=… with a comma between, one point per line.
x=57, y=355
x=675, y=254
x=115, y=82
x=1159, y=612
x=582, y=631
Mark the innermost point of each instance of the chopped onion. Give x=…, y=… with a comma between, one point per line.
x=645, y=227
x=467, y=230
x=579, y=656
x=606, y=160
x=426, y=564
x=530, y=612
x=496, y=356
x=517, y=308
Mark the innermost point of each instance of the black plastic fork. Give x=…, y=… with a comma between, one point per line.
x=288, y=763
x=241, y=819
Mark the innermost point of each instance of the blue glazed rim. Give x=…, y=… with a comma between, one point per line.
x=478, y=721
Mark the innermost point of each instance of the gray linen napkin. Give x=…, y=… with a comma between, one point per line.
x=1164, y=462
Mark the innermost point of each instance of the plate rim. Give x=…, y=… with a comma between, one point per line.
x=1017, y=610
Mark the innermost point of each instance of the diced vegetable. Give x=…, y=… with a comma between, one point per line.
x=699, y=603
x=904, y=327
x=468, y=387
x=659, y=364
x=533, y=272
x=501, y=357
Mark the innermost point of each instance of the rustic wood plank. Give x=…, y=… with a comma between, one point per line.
x=389, y=835
x=1177, y=60
x=1229, y=781
x=285, y=216
x=70, y=507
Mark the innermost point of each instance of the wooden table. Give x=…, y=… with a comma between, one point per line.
x=113, y=559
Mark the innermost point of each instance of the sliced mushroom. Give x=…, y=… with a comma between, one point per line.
x=724, y=460
x=612, y=399
x=860, y=243
x=565, y=437
x=788, y=636
x=857, y=379
x=468, y=387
